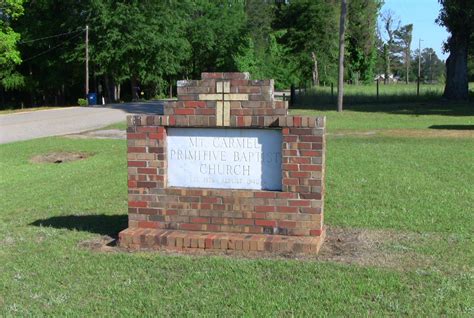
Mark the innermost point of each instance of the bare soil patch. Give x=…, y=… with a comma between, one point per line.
x=428, y=133
x=355, y=133
x=413, y=133
x=100, y=134
x=59, y=157
x=103, y=243
x=363, y=247
x=368, y=247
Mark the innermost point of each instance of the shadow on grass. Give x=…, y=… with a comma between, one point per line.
x=392, y=104
x=401, y=108
x=102, y=224
x=453, y=127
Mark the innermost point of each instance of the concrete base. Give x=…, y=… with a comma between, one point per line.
x=143, y=238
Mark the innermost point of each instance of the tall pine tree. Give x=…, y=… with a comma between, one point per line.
x=361, y=39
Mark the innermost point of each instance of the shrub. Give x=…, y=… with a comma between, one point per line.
x=82, y=102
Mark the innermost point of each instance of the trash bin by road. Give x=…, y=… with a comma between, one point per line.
x=92, y=99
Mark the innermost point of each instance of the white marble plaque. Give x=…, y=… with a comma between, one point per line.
x=224, y=158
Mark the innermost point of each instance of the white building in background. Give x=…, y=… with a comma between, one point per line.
x=391, y=78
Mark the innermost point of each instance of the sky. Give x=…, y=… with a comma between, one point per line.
x=422, y=14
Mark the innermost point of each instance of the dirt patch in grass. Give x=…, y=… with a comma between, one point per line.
x=428, y=133
x=345, y=133
x=59, y=157
x=363, y=247
x=103, y=243
x=380, y=248
x=413, y=133
x=100, y=134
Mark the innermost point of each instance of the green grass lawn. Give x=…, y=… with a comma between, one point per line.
x=364, y=95
x=396, y=115
x=119, y=125
x=417, y=186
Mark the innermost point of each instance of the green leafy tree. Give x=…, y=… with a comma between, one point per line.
x=432, y=68
x=281, y=66
x=140, y=41
x=470, y=68
x=361, y=39
x=259, y=16
x=215, y=30
x=51, y=32
x=9, y=53
x=275, y=63
x=458, y=18
x=403, y=37
x=262, y=54
x=251, y=55
x=247, y=59
x=311, y=37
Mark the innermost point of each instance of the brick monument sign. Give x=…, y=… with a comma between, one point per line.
x=225, y=168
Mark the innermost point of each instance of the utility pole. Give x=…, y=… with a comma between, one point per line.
x=431, y=70
x=87, y=60
x=419, y=68
x=340, y=83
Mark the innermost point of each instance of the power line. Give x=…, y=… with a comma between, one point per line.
x=50, y=37
x=50, y=49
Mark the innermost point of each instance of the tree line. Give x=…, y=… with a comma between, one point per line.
x=398, y=60
x=140, y=48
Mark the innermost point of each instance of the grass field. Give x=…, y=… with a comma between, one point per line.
x=418, y=191
x=367, y=94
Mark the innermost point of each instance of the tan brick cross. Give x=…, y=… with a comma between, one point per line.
x=223, y=97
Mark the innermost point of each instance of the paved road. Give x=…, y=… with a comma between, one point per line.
x=54, y=122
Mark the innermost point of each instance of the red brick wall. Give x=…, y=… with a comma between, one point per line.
x=297, y=210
